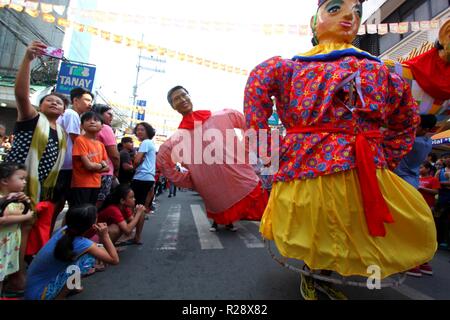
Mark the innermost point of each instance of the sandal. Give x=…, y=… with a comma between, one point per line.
x=100, y=267
x=128, y=243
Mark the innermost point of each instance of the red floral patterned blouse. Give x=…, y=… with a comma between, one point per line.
x=317, y=94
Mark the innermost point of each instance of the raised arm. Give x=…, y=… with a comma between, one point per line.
x=25, y=110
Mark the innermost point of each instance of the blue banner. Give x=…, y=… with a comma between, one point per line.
x=141, y=103
x=73, y=75
x=140, y=115
x=437, y=142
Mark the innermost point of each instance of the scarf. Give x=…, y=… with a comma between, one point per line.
x=38, y=145
x=189, y=119
x=432, y=74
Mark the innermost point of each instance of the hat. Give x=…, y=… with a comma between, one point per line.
x=321, y=2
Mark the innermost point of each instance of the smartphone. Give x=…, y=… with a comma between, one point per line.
x=57, y=53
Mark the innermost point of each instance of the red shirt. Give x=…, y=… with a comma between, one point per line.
x=113, y=215
x=429, y=183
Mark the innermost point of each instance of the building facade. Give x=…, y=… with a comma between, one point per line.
x=393, y=46
x=17, y=30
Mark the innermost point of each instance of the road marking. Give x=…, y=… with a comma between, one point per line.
x=249, y=239
x=208, y=240
x=168, y=236
x=412, y=293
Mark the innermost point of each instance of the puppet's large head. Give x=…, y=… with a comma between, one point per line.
x=337, y=21
x=444, y=41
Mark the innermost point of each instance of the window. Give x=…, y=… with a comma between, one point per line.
x=437, y=6
x=422, y=12
x=388, y=41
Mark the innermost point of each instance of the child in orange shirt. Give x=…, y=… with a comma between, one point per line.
x=89, y=161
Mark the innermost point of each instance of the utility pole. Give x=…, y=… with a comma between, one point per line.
x=135, y=88
x=140, y=67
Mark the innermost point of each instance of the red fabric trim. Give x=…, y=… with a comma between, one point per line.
x=432, y=74
x=249, y=208
x=375, y=207
x=189, y=119
x=40, y=232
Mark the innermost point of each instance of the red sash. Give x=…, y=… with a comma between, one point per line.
x=375, y=207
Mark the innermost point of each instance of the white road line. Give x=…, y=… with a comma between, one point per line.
x=412, y=293
x=208, y=240
x=168, y=236
x=249, y=239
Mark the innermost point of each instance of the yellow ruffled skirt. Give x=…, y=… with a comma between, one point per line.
x=321, y=221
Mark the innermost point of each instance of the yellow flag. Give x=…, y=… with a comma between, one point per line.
x=199, y=61
x=171, y=53
x=129, y=42
x=106, y=35
x=78, y=27
x=47, y=17
x=16, y=7
x=93, y=31
x=162, y=51
x=141, y=44
x=63, y=22
x=151, y=48
x=117, y=38
x=33, y=13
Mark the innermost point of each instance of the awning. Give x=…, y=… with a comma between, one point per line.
x=441, y=138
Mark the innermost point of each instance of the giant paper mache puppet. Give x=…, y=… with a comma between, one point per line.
x=335, y=203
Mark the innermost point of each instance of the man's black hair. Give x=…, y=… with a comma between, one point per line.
x=78, y=93
x=433, y=157
x=428, y=121
x=126, y=140
x=171, y=91
x=438, y=45
x=100, y=108
x=91, y=115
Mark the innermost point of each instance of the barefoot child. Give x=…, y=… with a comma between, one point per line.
x=12, y=183
x=49, y=271
x=122, y=215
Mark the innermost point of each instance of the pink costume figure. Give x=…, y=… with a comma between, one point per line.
x=230, y=188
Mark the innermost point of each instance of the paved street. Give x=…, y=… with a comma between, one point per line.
x=181, y=259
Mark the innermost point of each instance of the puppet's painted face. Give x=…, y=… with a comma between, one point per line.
x=444, y=40
x=337, y=21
